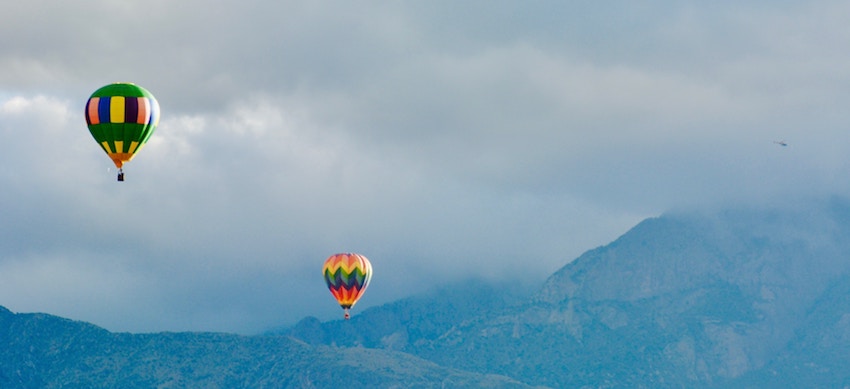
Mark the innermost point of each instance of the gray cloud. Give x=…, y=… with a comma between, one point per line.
x=442, y=140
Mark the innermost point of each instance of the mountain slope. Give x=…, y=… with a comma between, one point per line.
x=414, y=321
x=43, y=351
x=749, y=298
x=689, y=299
x=816, y=356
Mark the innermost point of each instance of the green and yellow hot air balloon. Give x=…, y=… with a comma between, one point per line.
x=121, y=118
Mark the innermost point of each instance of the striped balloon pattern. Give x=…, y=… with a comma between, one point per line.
x=121, y=117
x=347, y=276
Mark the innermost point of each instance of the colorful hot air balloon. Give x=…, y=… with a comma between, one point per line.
x=121, y=117
x=347, y=276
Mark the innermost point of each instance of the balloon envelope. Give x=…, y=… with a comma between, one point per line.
x=347, y=276
x=121, y=117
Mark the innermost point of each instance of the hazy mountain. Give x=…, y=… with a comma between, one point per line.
x=412, y=322
x=739, y=297
x=818, y=355
x=43, y=351
x=684, y=299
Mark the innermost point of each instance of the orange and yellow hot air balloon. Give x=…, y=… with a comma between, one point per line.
x=347, y=276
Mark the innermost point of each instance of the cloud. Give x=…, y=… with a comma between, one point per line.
x=442, y=140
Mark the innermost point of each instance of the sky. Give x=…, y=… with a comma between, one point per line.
x=441, y=139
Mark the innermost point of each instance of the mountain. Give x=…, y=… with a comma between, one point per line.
x=44, y=351
x=744, y=297
x=737, y=297
x=816, y=356
x=409, y=323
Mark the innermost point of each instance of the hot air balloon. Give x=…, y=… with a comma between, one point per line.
x=121, y=117
x=347, y=276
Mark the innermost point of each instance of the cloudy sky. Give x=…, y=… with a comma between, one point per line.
x=441, y=139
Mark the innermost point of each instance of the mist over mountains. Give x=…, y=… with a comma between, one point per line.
x=733, y=297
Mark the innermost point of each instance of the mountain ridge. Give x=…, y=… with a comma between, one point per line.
x=45, y=351
x=738, y=297
x=689, y=298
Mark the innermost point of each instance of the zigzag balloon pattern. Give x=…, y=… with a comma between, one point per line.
x=347, y=276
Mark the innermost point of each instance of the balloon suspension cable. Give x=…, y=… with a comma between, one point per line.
x=120, y=174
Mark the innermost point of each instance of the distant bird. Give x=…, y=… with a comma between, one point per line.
x=781, y=143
